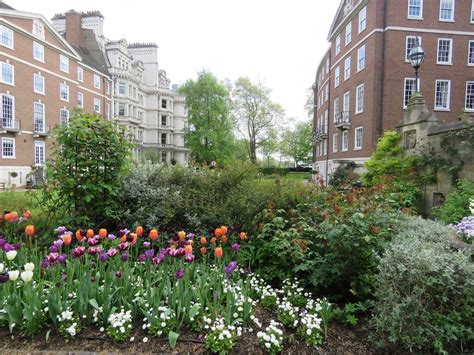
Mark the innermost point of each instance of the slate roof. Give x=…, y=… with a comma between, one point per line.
x=5, y=6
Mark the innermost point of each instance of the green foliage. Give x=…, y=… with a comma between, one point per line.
x=344, y=175
x=456, y=206
x=425, y=292
x=297, y=143
x=398, y=174
x=209, y=136
x=88, y=161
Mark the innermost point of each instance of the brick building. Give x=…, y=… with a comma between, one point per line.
x=364, y=80
x=43, y=78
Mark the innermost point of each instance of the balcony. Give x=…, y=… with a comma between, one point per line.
x=343, y=120
x=41, y=131
x=320, y=133
x=10, y=126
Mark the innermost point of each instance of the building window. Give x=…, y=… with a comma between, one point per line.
x=411, y=41
x=163, y=138
x=8, y=148
x=325, y=147
x=361, y=58
x=80, y=74
x=470, y=59
x=359, y=99
x=8, y=73
x=336, y=108
x=38, y=29
x=122, y=88
x=163, y=103
x=334, y=142
x=326, y=117
x=336, y=77
x=96, y=81
x=38, y=84
x=163, y=157
x=8, y=111
x=163, y=120
x=121, y=109
x=38, y=52
x=470, y=96
x=409, y=90
x=446, y=10
x=64, y=92
x=327, y=65
x=358, y=138
x=326, y=93
x=415, y=9
x=472, y=11
x=347, y=68
x=64, y=63
x=338, y=44
x=107, y=87
x=39, y=117
x=346, y=102
x=442, y=95
x=6, y=37
x=345, y=141
x=96, y=105
x=348, y=33
x=107, y=110
x=64, y=116
x=444, y=51
x=363, y=19
x=39, y=153
x=80, y=100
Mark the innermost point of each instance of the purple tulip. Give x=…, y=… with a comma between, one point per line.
x=8, y=247
x=118, y=274
x=44, y=264
x=53, y=249
x=112, y=252
x=189, y=258
x=180, y=274
x=235, y=247
x=93, y=241
x=229, y=269
x=4, y=277
x=62, y=258
x=141, y=258
x=111, y=237
x=124, y=257
x=52, y=258
x=17, y=246
x=2, y=243
x=78, y=252
x=94, y=250
x=103, y=257
x=149, y=254
x=58, y=243
x=146, y=244
x=123, y=246
x=60, y=230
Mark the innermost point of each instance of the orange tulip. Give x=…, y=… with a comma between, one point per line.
x=8, y=217
x=30, y=230
x=224, y=230
x=103, y=233
x=67, y=239
x=203, y=240
x=182, y=235
x=203, y=250
x=224, y=239
x=1, y=216
x=27, y=214
x=139, y=231
x=218, y=232
x=188, y=249
x=243, y=235
x=218, y=252
x=213, y=240
x=79, y=237
x=90, y=233
x=14, y=215
x=135, y=237
x=123, y=239
x=153, y=234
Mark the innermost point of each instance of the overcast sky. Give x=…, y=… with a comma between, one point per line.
x=279, y=42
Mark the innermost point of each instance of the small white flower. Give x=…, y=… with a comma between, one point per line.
x=132, y=338
x=145, y=339
x=101, y=329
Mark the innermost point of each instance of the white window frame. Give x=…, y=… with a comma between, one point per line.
x=80, y=102
x=326, y=93
x=411, y=17
x=43, y=118
x=348, y=38
x=405, y=91
x=2, y=117
x=124, y=88
x=336, y=109
x=363, y=19
x=61, y=87
x=359, y=103
x=96, y=105
x=452, y=11
x=63, y=63
x=407, y=51
x=360, y=67
x=107, y=110
x=13, y=156
x=38, y=48
x=450, y=62
x=356, y=145
x=346, y=102
x=80, y=74
x=337, y=76
x=472, y=12
x=440, y=108
x=38, y=25
x=60, y=115
x=40, y=158
x=470, y=60
x=8, y=65
x=96, y=81
x=9, y=35
x=347, y=68
x=465, y=100
x=38, y=78
x=338, y=44
x=345, y=141
x=334, y=142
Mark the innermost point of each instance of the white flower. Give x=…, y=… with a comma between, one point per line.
x=2, y=267
x=29, y=267
x=11, y=254
x=13, y=275
x=267, y=345
x=132, y=338
x=145, y=339
x=471, y=206
x=27, y=276
x=308, y=331
x=101, y=329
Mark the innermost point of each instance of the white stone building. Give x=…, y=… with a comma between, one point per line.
x=143, y=102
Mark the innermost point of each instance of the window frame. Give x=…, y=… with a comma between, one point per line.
x=61, y=110
x=345, y=141
x=452, y=11
x=335, y=142
x=61, y=86
x=43, y=118
x=80, y=101
x=336, y=112
x=411, y=17
x=362, y=20
x=80, y=74
x=356, y=146
x=2, y=64
x=346, y=101
x=472, y=12
x=407, y=52
x=360, y=68
x=405, y=105
x=359, y=110
x=338, y=44
x=96, y=81
x=64, y=61
x=120, y=84
x=97, y=105
x=13, y=156
x=347, y=68
x=439, y=108
x=450, y=51
x=337, y=76
x=12, y=98
x=36, y=46
x=469, y=82
x=12, y=36
x=348, y=36
x=469, y=53
x=35, y=77
x=38, y=24
x=40, y=144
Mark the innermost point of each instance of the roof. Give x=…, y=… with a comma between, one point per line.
x=142, y=45
x=91, y=53
x=83, y=14
x=5, y=6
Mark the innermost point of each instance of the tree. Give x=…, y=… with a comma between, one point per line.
x=209, y=135
x=255, y=114
x=270, y=146
x=297, y=144
x=309, y=105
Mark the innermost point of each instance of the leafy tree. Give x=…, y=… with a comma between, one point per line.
x=270, y=146
x=309, y=105
x=210, y=134
x=297, y=144
x=256, y=115
x=84, y=175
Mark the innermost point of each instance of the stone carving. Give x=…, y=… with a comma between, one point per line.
x=410, y=139
x=348, y=7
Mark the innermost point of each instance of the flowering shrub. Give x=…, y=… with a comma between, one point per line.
x=120, y=325
x=272, y=339
x=465, y=229
x=288, y=314
x=159, y=321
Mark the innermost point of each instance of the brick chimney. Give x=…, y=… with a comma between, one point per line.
x=73, y=27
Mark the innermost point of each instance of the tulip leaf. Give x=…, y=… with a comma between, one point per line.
x=173, y=338
x=193, y=311
x=47, y=335
x=94, y=303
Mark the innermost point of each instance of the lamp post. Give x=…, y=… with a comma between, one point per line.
x=417, y=57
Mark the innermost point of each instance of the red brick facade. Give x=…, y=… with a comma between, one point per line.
x=387, y=25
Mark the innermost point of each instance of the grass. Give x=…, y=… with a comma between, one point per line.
x=21, y=202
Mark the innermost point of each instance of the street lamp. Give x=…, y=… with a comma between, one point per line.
x=416, y=57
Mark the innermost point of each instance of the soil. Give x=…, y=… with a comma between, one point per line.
x=341, y=341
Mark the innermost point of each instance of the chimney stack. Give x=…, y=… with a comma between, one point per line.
x=73, y=27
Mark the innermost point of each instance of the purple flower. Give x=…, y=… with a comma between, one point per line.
x=4, y=277
x=53, y=249
x=180, y=274
x=94, y=250
x=77, y=252
x=52, y=258
x=235, y=247
x=60, y=230
x=44, y=264
x=2, y=242
x=62, y=258
x=111, y=237
x=112, y=252
x=123, y=246
x=190, y=236
x=146, y=244
x=118, y=274
x=149, y=254
x=189, y=258
x=233, y=228
x=17, y=246
x=141, y=258
x=124, y=257
x=230, y=268
x=93, y=241
x=58, y=243
x=103, y=257
x=8, y=247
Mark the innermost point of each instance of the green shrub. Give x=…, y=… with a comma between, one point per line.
x=344, y=175
x=456, y=206
x=424, y=292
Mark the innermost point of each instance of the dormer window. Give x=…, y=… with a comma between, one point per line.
x=38, y=29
